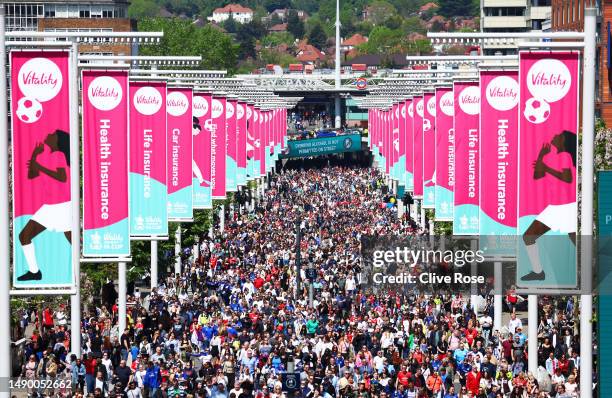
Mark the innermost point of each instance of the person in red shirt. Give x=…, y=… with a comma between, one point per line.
x=472, y=381
x=47, y=318
x=403, y=377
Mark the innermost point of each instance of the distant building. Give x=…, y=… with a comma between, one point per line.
x=239, y=13
x=283, y=14
x=309, y=54
x=512, y=16
x=352, y=42
x=569, y=15
x=281, y=27
x=73, y=16
x=373, y=62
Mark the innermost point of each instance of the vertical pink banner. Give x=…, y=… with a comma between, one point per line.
x=445, y=154
x=218, y=143
x=387, y=141
x=106, y=230
x=241, y=142
x=401, y=166
x=148, y=190
x=410, y=145
x=467, y=160
x=180, y=137
x=429, y=150
x=42, y=221
x=202, y=193
x=418, y=146
x=548, y=125
x=498, y=152
x=231, y=143
x=395, y=149
x=263, y=136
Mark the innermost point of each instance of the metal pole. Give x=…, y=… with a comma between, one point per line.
x=474, y=272
x=497, y=298
x=177, y=250
x=5, y=270
x=337, y=110
x=75, y=192
x=153, y=264
x=586, y=216
x=423, y=220
x=298, y=257
x=338, y=44
x=532, y=333
x=222, y=218
x=311, y=292
x=122, y=304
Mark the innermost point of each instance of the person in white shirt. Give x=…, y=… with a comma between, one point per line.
x=514, y=323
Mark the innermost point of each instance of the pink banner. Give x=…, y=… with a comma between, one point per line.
x=499, y=152
x=263, y=140
x=231, y=164
x=241, y=142
x=218, y=142
x=148, y=190
x=410, y=145
x=418, y=146
x=42, y=209
x=401, y=166
x=445, y=154
x=466, y=193
x=548, y=125
x=429, y=150
x=106, y=230
x=202, y=192
x=180, y=137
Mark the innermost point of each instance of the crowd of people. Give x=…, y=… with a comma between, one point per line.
x=238, y=322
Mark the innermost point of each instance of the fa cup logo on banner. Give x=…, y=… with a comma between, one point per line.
x=548, y=80
x=177, y=103
x=217, y=108
x=147, y=100
x=502, y=93
x=105, y=93
x=447, y=103
x=39, y=80
x=239, y=111
x=469, y=100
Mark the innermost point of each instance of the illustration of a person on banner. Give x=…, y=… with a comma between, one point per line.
x=557, y=218
x=54, y=217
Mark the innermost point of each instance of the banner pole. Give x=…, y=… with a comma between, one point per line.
x=532, y=333
x=5, y=270
x=497, y=298
x=153, y=264
x=75, y=192
x=586, y=213
x=122, y=304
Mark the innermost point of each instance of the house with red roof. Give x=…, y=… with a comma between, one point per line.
x=352, y=42
x=239, y=13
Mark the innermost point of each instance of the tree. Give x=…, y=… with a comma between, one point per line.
x=317, y=36
x=276, y=38
x=383, y=40
x=181, y=37
x=272, y=5
x=295, y=25
x=454, y=8
x=230, y=24
x=380, y=11
x=246, y=35
x=140, y=9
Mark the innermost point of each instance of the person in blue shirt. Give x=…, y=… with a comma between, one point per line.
x=152, y=379
x=451, y=393
x=460, y=353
